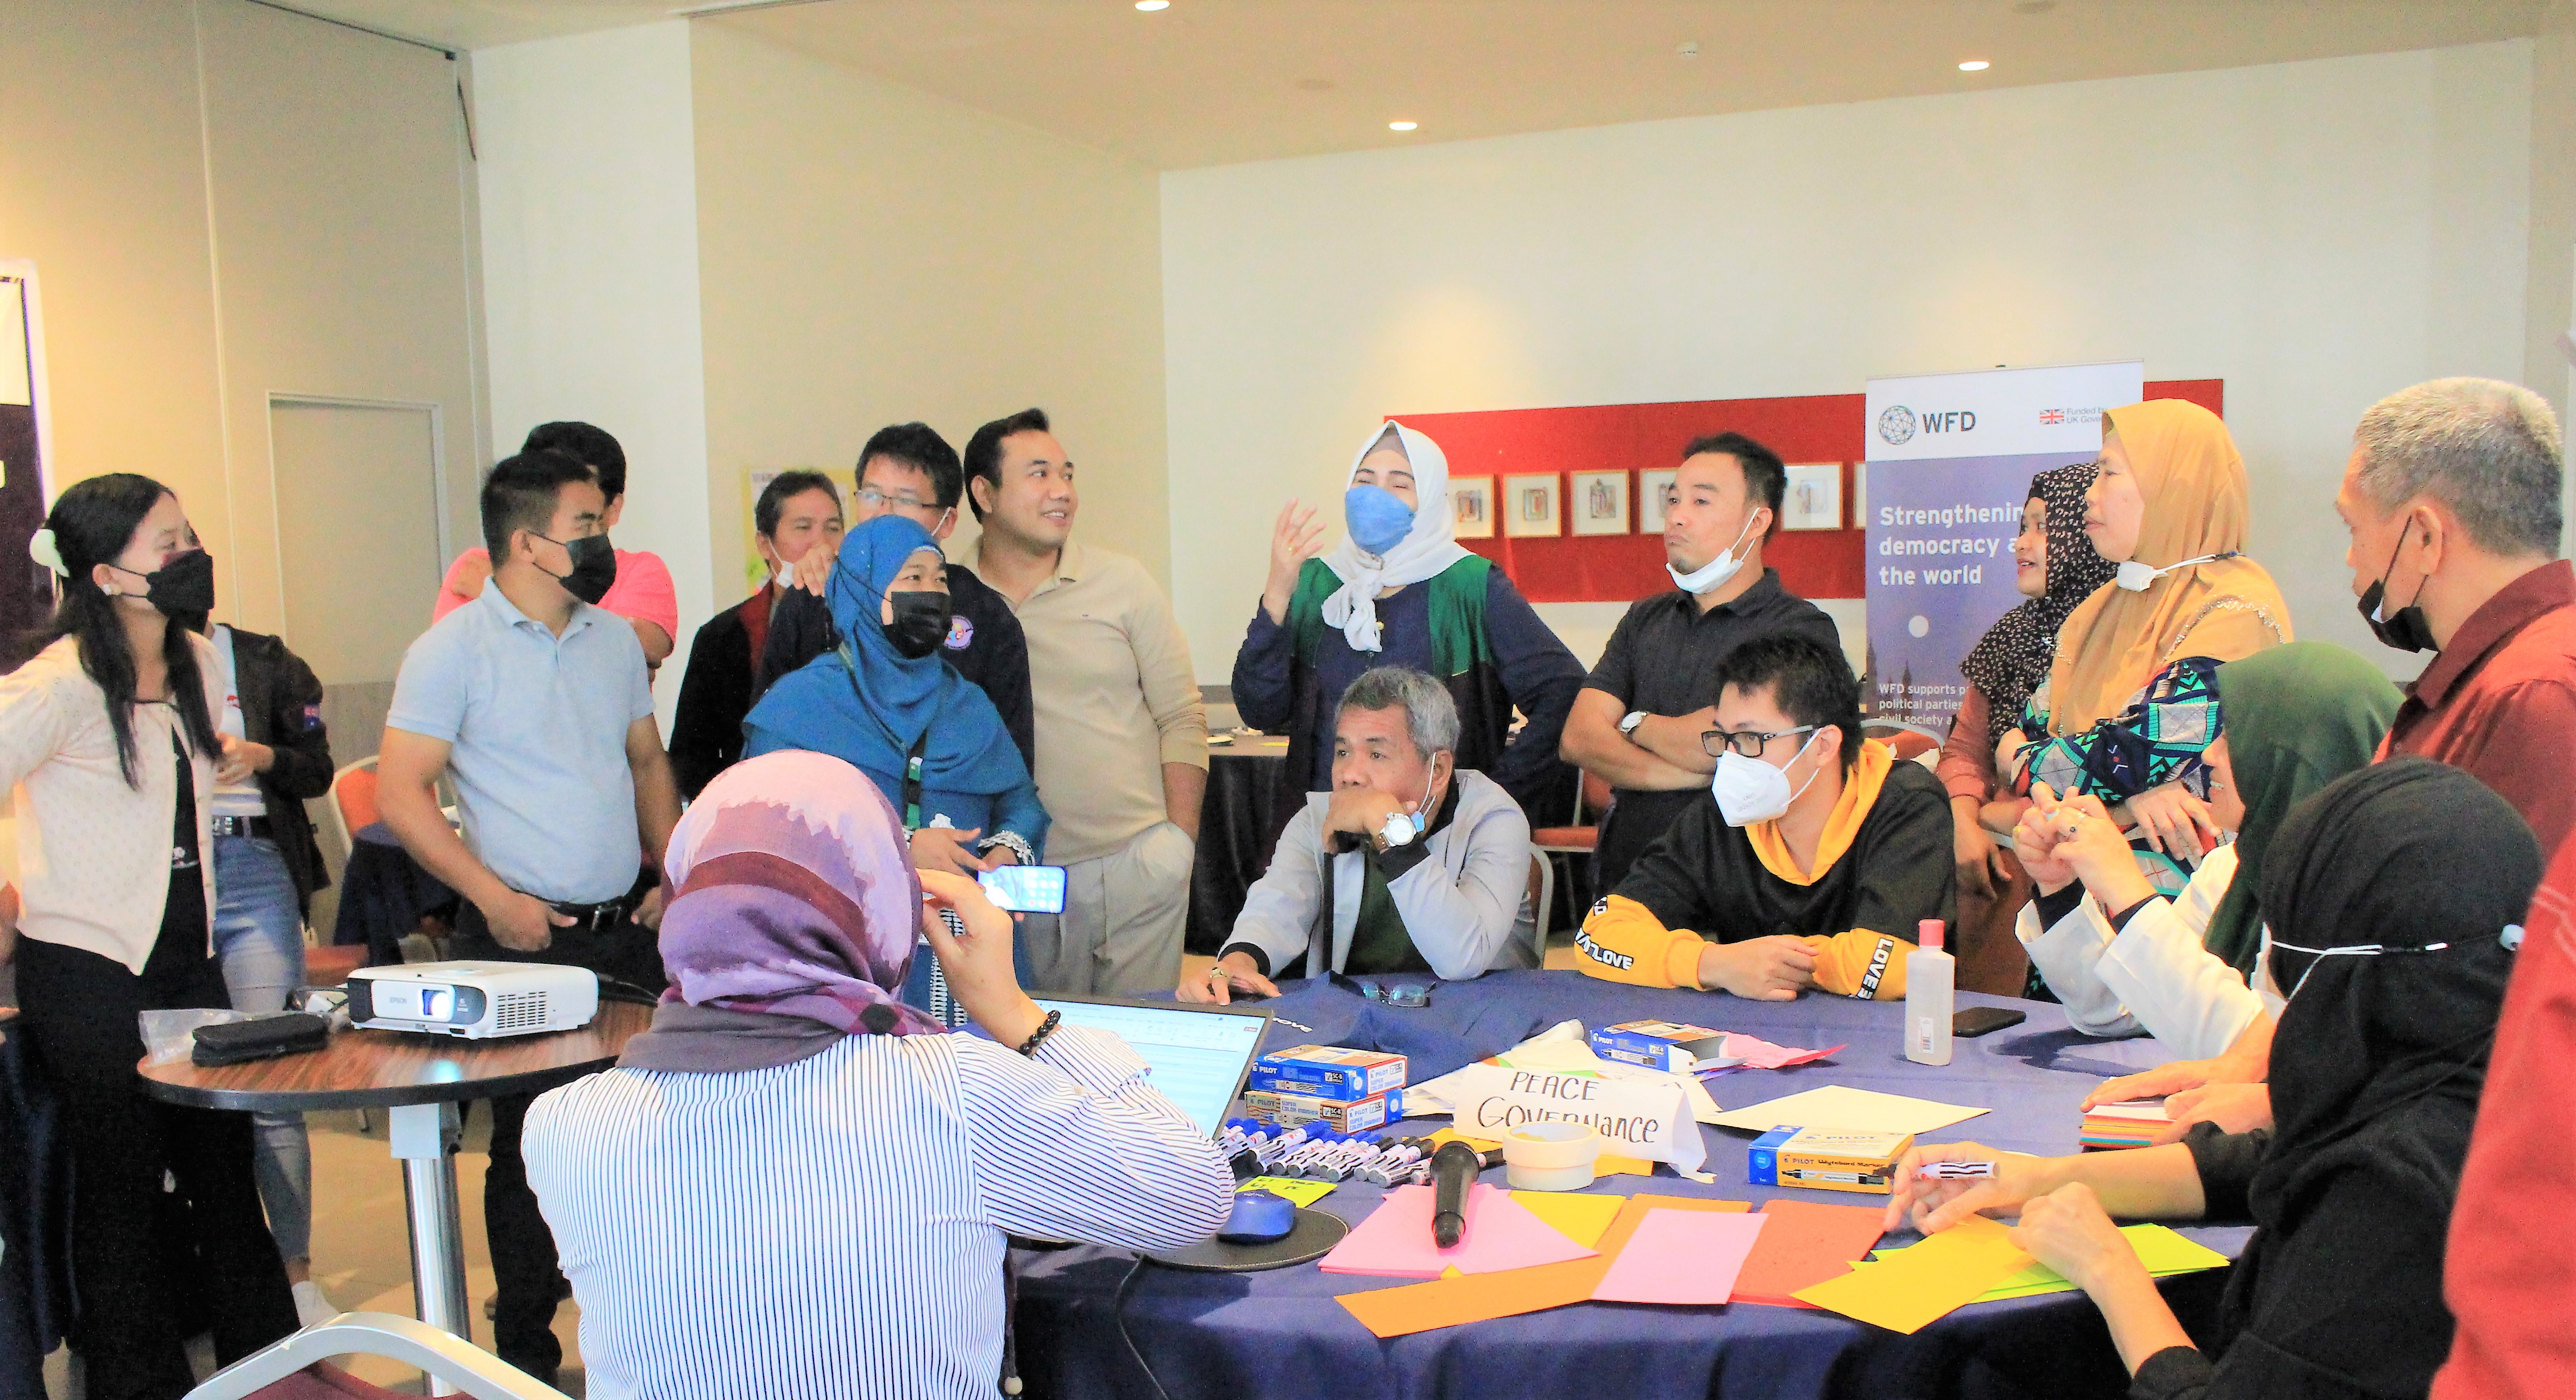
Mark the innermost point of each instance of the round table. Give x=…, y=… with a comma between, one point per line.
x=419, y=1079
x=1281, y=1333
x=1234, y=833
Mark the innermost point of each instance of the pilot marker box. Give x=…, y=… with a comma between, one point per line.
x=1328, y=1072
x=1826, y=1159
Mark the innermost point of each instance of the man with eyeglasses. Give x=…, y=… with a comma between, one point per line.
x=1807, y=863
x=910, y=470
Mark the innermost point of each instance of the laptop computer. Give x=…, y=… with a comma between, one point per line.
x=1196, y=1056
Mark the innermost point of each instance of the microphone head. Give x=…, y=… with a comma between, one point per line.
x=1457, y=1156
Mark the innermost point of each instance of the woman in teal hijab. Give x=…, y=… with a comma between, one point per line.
x=884, y=703
x=2290, y=721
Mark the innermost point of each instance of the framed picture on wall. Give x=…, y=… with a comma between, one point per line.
x=1654, y=492
x=1813, y=498
x=1530, y=506
x=1471, y=505
x=1600, y=501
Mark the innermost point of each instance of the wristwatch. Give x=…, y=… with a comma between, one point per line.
x=1628, y=726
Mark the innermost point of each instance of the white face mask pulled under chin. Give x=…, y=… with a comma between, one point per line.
x=2138, y=578
x=1715, y=572
x=1750, y=791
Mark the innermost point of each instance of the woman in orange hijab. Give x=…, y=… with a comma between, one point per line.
x=2130, y=702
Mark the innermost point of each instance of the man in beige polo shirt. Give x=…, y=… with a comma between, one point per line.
x=1122, y=736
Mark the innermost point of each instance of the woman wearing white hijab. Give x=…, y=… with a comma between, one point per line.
x=1400, y=591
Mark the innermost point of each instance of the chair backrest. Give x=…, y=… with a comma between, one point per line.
x=353, y=793
x=291, y=1368
x=1595, y=797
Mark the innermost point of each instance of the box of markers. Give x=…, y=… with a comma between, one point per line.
x=1340, y=1115
x=1327, y=1072
x=1826, y=1159
x=1663, y=1045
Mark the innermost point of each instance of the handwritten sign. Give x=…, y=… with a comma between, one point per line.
x=1650, y=1120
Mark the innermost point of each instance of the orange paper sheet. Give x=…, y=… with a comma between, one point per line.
x=1448, y=1302
x=1915, y=1287
x=1805, y=1244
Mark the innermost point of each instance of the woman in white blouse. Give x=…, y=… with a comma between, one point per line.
x=795, y=1184
x=109, y=738
x=2125, y=959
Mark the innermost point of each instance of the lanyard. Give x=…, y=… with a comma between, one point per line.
x=912, y=783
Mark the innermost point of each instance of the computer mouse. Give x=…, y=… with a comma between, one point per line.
x=1259, y=1217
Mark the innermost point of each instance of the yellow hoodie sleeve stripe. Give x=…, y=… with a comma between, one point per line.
x=1623, y=941
x=1860, y=963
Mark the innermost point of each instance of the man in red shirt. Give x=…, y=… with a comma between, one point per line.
x=2452, y=498
x=2508, y=1271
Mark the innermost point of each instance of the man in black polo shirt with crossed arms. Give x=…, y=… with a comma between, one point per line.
x=1639, y=718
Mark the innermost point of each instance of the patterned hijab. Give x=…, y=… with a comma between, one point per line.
x=2013, y=657
x=795, y=901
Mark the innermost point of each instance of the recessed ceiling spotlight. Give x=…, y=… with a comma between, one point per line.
x=1975, y=65
x=1689, y=49
x=1149, y=6
x=1400, y=126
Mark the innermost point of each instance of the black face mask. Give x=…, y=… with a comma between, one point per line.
x=2407, y=630
x=920, y=622
x=184, y=585
x=594, y=566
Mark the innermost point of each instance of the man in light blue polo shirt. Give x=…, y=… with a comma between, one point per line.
x=537, y=703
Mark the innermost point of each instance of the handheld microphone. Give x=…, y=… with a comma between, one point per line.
x=1453, y=1170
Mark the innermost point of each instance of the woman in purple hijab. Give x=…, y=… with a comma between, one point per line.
x=794, y=1183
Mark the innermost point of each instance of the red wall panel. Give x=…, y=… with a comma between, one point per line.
x=1631, y=437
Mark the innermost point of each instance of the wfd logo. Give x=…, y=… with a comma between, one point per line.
x=1896, y=425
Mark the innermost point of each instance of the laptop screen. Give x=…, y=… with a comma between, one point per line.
x=1197, y=1056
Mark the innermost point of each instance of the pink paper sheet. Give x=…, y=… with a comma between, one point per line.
x=1395, y=1241
x=1762, y=1054
x=1681, y=1256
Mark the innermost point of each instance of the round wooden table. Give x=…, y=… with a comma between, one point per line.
x=419, y=1079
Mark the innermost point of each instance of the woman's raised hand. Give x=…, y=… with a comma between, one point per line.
x=1294, y=539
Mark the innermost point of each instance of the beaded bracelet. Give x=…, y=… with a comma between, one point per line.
x=1045, y=1028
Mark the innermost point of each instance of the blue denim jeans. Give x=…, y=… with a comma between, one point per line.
x=259, y=938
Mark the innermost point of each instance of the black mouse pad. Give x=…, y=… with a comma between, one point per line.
x=1312, y=1237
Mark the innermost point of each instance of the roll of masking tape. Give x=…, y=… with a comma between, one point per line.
x=1550, y=1156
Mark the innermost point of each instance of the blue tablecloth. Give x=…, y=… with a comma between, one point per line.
x=1280, y=1333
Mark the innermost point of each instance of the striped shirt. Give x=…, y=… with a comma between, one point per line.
x=834, y=1227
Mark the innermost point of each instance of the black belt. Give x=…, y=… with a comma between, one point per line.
x=598, y=918
x=258, y=827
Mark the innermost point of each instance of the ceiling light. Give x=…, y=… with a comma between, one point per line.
x=1975, y=65
x=1149, y=6
x=1400, y=126
x=1689, y=49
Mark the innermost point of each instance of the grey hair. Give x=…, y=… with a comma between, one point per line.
x=2489, y=450
x=1430, y=716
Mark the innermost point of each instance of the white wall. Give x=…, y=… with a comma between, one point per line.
x=2316, y=234
x=588, y=182
x=873, y=254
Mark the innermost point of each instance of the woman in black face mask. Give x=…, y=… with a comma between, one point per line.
x=886, y=704
x=109, y=734
x=2395, y=897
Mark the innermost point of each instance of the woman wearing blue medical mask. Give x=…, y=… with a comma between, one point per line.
x=1400, y=591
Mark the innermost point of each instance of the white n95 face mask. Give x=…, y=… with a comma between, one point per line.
x=1750, y=791
x=1715, y=572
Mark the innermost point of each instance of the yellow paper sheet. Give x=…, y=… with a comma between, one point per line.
x=2164, y=1252
x=1581, y=1219
x=1453, y=1135
x=1304, y=1191
x=1917, y=1286
x=1612, y=1164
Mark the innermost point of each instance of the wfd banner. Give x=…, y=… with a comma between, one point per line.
x=1950, y=462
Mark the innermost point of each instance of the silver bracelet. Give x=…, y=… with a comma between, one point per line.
x=1017, y=844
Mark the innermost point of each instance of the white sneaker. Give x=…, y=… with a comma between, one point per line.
x=311, y=1307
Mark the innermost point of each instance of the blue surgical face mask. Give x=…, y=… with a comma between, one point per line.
x=1378, y=518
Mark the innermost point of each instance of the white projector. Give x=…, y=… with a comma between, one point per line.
x=474, y=1000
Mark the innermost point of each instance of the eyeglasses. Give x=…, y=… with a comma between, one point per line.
x=878, y=500
x=1749, y=744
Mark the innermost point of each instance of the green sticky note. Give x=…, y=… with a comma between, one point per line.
x=1304, y=1191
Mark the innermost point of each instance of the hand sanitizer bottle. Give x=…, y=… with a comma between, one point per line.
x=1929, y=973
